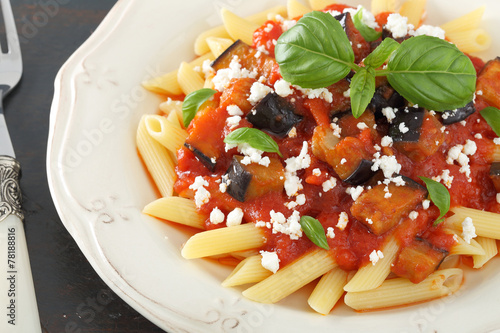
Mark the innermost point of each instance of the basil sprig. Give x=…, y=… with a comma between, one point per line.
x=425, y=70
x=314, y=231
x=255, y=138
x=439, y=195
x=369, y=34
x=192, y=103
x=492, y=117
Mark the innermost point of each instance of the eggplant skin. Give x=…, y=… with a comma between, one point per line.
x=362, y=174
x=274, y=115
x=449, y=117
x=239, y=180
x=206, y=160
x=406, y=126
x=495, y=169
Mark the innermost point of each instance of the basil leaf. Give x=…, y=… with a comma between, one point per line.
x=315, y=53
x=314, y=231
x=362, y=90
x=432, y=73
x=492, y=117
x=439, y=195
x=255, y=138
x=381, y=53
x=369, y=34
x=192, y=103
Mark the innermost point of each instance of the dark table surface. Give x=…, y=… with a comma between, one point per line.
x=66, y=285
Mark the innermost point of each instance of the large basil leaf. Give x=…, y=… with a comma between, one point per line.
x=314, y=53
x=432, y=73
x=314, y=231
x=378, y=57
x=362, y=90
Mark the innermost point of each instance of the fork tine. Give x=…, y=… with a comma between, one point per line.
x=10, y=28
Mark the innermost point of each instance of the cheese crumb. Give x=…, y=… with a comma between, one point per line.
x=343, y=220
x=413, y=215
x=330, y=233
x=329, y=184
x=375, y=256
x=468, y=230
x=234, y=217
x=216, y=216
x=270, y=261
x=257, y=92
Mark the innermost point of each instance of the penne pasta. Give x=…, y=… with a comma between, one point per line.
x=296, y=9
x=414, y=10
x=224, y=240
x=238, y=27
x=249, y=270
x=470, y=41
x=218, y=45
x=485, y=223
x=176, y=209
x=320, y=4
x=292, y=277
x=165, y=132
x=189, y=80
x=328, y=291
x=464, y=248
x=382, y=6
x=490, y=249
x=469, y=21
x=158, y=160
x=398, y=291
x=371, y=276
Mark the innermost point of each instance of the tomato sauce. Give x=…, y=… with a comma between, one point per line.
x=353, y=244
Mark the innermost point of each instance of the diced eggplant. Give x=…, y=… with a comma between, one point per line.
x=263, y=64
x=449, y=117
x=418, y=260
x=380, y=212
x=495, y=175
x=410, y=182
x=274, y=114
x=362, y=174
x=386, y=96
x=488, y=83
x=209, y=162
x=323, y=142
x=431, y=139
x=361, y=47
x=249, y=181
x=346, y=157
x=238, y=179
x=405, y=127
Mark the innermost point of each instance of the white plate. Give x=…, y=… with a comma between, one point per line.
x=99, y=186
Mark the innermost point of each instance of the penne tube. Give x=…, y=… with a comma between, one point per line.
x=174, y=118
x=382, y=6
x=490, y=249
x=292, y=277
x=249, y=270
x=398, y=291
x=224, y=240
x=320, y=4
x=485, y=223
x=171, y=136
x=328, y=291
x=371, y=276
x=176, y=209
x=238, y=27
x=414, y=10
x=469, y=21
x=158, y=160
x=470, y=41
x=189, y=79
x=462, y=247
x=296, y=9
x=218, y=45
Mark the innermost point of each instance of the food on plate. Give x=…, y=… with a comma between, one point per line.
x=355, y=148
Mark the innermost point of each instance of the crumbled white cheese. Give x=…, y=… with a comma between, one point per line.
x=367, y=18
x=355, y=192
x=347, y=93
x=343, y=220
x=233, y=121
x=234, y=217
x=468, y=230
x=413, y=215
x=293, y=132
x=316, y=172
x=445, y=177
x=429, y=30
x=330, y=233
x=322, y=93
x=343, y=161
x=258, y=91
x=201, y=195
x=216, y=216
x=398, y=25
x=289, y=226
x=386, y=141
x=224, y=76
x=293, y=184
x=329, y=184
x=402, y=128
x=389, y=113
x=496, y=141
x=268, y=27
x=234, y=110
x=478, y=136
x=426, y=203
x=375, y=256
x=252, y=155
x=369, y=220
x=362, y=125
x=282, y=88
x=270, y=261
x=388, y=164
x=336, y=129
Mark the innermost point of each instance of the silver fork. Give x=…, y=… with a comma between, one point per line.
x=17, y=294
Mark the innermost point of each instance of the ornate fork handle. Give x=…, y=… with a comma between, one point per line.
x=10, y=190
